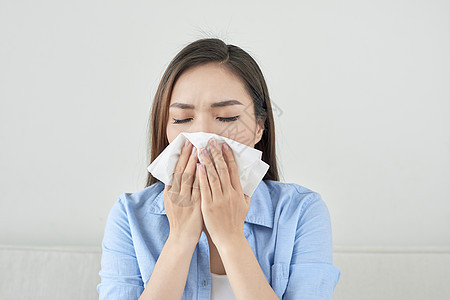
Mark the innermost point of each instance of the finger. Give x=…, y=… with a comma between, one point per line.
x=247, y=199
x=232, y=167
x=205, y=190
x=211, y=174
x=195, y=195
x=180, y=166
x=188, y=175
x=221, y=166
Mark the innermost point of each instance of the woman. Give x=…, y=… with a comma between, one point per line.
x=202, y=238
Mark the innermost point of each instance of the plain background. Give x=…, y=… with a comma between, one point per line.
x=361, y=89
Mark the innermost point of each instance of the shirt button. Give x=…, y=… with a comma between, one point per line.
x=204, y=282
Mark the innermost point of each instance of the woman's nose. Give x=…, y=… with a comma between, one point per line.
x=202, y=126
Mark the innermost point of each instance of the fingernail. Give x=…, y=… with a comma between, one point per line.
x=225, y=146
x=186, y=143
x=193, y=150
x=204, y=152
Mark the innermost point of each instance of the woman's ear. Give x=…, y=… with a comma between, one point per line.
x=259, y=132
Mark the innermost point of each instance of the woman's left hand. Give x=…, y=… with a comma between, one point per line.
x=224, y=205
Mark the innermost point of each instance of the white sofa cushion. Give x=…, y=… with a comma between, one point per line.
x=49, y=273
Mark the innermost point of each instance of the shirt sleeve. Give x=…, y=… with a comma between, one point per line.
x=312, y=274
x=120, y=274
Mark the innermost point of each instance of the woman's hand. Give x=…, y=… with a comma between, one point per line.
x=224, y=205
x=182, y=198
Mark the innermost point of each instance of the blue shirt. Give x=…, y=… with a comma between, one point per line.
x=287, y=226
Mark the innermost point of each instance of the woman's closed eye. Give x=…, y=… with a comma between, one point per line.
x=231, y=119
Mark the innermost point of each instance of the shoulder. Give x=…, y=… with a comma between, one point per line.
x=302, y=215
x=142, y=199
x=129, y=209
x=278, y=185
x=136, y=204
x=296, y=198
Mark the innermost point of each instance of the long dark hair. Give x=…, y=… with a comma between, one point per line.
x=239, y=62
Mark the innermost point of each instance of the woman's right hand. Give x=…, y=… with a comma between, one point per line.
x=182, y=198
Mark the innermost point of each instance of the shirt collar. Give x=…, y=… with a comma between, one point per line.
x=260, y=212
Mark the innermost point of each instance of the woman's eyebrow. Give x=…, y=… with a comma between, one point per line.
x=213, y=105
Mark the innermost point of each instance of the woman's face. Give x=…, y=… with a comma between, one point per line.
x=210, y=98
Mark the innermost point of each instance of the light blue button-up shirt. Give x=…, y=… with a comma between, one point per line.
x=287, y=226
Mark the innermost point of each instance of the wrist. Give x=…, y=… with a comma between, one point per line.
x=182, y=240
x=230, y=242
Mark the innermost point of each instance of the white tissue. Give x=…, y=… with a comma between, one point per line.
x=251, y=168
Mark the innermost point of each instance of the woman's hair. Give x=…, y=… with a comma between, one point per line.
x=240, y=63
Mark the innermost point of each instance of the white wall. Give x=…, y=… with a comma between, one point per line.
x=362, y=88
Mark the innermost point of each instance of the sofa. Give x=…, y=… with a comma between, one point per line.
x=72, y=273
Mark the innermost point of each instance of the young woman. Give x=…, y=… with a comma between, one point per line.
x=202, y=238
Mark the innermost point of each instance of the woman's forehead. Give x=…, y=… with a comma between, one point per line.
x=207, y=86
